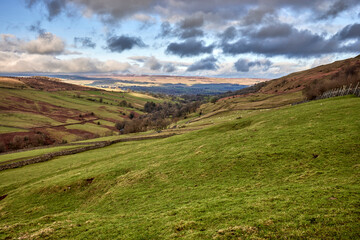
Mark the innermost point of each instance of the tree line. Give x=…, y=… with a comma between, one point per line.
x=158, y=116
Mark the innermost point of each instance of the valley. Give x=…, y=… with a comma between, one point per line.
x=259, y=163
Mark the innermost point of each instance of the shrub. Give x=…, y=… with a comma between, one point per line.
x=131, y=115
x=2, y=147
x=120, y=125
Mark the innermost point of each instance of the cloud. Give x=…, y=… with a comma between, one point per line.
x=192, y=22
x=191, y=33
x=45, y=44
x=156, y=65
x=107, y=10
x=259, y=14
x=336, y=8
x=181, y=30
x=140, y=59
x=10, y=43
x=53, y=7
x=289, y=42
x=165, y=30
x=152, y=63
x=196, y=11
x=350, y=31
x=144, y=18
x=244, y=65
x=122, y=43
x=189, y=48
x=208, y=63
x=22, y=62
x=37, y=28
x=229, y=34
x=84, y=42
x=273, y=30
x=169, y=67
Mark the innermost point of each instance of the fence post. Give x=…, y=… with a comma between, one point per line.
x=343, y=91
x=349, y=89
x=354, y=92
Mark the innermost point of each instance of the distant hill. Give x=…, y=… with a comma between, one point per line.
x=39, y=83
x=316, y=80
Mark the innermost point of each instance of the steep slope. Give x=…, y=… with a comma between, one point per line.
x=277, y=174
x=331, y=75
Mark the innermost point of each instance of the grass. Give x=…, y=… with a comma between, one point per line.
x=33, y=108
x=106, y=123
x=277, y=174
x=254, y=102
x=115, y=137
x=33, y=153
x=60, y=136
x=10, y=129
x=90, y=127
x=25, y=120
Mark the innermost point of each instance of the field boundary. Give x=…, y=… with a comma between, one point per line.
x=49, y=156
x=345, y=90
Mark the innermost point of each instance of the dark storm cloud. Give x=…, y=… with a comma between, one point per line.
x=189, y=48
x=84, y=42
x=290, y=42
x=350, y=31
x=121, y=43
x=244, y=65
x=208, y=63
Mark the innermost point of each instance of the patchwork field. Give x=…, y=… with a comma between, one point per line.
x=36, y=111
x=282, y=173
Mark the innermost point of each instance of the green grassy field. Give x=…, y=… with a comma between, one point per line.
x=25, y=120
x=253, y=102
x=93, y=128
x=33, y=153
x=289, y=173
x=10, y=129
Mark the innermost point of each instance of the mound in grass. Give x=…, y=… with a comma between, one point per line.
x=276, y=174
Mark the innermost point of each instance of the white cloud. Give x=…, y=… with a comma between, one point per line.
x=46, y=44
x=10, y=43
x=23, y=62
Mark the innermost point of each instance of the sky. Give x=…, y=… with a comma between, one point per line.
x=216, y=38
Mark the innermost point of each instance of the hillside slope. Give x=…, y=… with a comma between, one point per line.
x=274, y=174
x=335, y=74
x=38, y=110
